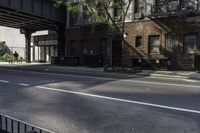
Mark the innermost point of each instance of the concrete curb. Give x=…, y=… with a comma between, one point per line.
x=58, y=69
x=165, y=75
x=169, y=76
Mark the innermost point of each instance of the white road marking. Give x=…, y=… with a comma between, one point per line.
x=114, y=79
x=121, y=100
x=81, y=76
x=126, y=80
x=22, y=84
x=70, y=75
x=190, y=80
x=4, y=81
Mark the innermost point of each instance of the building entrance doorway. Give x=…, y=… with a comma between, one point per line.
x=116, y=53
x=44, y=47
x=171, y=40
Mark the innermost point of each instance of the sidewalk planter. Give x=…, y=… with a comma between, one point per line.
x=92, y=60
x=42, y=61
x=136, y=64
x=67, y=60
x=155, y=64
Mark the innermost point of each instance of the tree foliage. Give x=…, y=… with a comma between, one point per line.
x=7, y=57
x=101, y=11
x=3, y=48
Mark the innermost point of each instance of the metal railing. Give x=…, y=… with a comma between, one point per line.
x=12, y=125
x=174, y=8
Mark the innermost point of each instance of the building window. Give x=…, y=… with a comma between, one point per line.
x=73, y=51
x=86, y=17
x=172, y=5
x=138, y=41
x=117, y=12
x=129, y=15
x=171, y=39
x=139, y=6
x=190, y=42
x=84, y=47
x=189, y=5
x=73, y=19
x=139, y=9
x=154, y=44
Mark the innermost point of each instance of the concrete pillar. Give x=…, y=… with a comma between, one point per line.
x=28, y=46
x=27, y=34
x=33, y=52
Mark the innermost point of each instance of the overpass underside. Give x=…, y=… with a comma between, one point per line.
x=31, y=14
x=34, y=15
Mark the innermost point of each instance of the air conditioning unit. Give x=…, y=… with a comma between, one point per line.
x=117, y=18
x=189, y=5
x=172, y=6
x=138, y=15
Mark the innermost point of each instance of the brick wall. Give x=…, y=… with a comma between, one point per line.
x=87, y=41
x=160, y=27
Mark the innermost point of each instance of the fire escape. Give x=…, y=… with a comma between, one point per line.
x=167, y=8
x=172, y=15
x=174, y=11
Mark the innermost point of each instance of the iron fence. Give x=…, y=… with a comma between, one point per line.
x=12, y=125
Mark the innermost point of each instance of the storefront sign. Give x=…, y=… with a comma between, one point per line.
x=48, y=42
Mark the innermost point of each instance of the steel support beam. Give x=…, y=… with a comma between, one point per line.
x=26, y=19
x=35, y=8
x=31, y=14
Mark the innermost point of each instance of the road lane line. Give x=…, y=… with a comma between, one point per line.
x=121, y=100
x=4, y=81
x=114, y=79
x=126, y=80
x=189, y=80
x=23, y=84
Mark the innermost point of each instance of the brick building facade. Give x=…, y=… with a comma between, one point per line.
x=163, y=38
x=88, y=44
x=172, y=37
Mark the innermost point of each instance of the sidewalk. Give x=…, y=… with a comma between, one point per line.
x=172, y=74
x=99, y=71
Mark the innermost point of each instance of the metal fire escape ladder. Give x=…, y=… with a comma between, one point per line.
x=173, y=11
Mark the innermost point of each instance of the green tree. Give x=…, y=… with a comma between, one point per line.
x=7, y=57
x=101, y=11
x=3, y=48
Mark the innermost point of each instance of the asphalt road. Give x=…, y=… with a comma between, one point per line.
x=67, y=103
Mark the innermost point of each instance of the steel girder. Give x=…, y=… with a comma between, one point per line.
x=31, y=14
